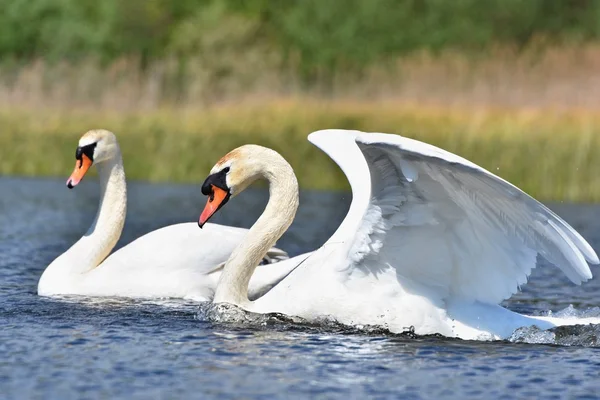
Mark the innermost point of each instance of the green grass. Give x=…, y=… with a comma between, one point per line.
x=551, y=155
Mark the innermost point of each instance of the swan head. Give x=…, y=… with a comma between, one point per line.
x=233, y=173
x=95, y=146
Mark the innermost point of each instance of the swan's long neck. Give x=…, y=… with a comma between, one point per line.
x=89, y=251
x=274, y=221
x=107, y=227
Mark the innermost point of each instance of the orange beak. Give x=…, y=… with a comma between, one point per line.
x=81, y=167
x=216, y=200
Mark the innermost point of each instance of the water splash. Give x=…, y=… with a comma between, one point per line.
x=572, y=335
x=532, y=335
x=586, y=335
x=235, y=316
x=572, y=312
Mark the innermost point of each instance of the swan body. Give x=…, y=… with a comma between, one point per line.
x=177, y=261
x=431, y=240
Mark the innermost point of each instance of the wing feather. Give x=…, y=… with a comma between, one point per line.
x=444, y=223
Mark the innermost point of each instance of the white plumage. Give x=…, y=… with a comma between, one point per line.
x=179, y=261
x=431, y=241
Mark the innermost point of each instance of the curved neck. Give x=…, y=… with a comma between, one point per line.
x=102, y=236
x=274, y=221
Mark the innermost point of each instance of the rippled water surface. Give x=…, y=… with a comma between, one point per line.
x=115, y=348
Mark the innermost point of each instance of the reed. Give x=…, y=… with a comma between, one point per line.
x=562, y=77
x=529, y=116
x=550, y=153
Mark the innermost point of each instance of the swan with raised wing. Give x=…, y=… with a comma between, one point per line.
x=431, y=240
x=177, y=261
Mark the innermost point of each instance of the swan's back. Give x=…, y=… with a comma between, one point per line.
x=179, y=260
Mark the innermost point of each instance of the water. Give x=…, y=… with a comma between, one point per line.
x=117, y=348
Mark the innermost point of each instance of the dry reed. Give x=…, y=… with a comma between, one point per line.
x=532, y=118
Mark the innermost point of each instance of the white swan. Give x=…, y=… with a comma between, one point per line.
x=176, y=261
x=431, y=240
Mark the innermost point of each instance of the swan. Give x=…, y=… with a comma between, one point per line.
x=431, y=241
x=168, y=262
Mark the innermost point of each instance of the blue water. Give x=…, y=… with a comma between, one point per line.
x=116, y=348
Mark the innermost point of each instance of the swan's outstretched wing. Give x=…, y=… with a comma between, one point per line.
x=181, y=260
x=443, y=222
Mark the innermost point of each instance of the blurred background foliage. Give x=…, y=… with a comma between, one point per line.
x=513, y=85
x=319, y=36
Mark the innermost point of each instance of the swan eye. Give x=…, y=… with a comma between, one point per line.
x=87, y=150
x=218, y=180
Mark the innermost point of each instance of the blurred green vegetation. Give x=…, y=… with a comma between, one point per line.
x=316, y=36
x=550, y=155
x=182, y=82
